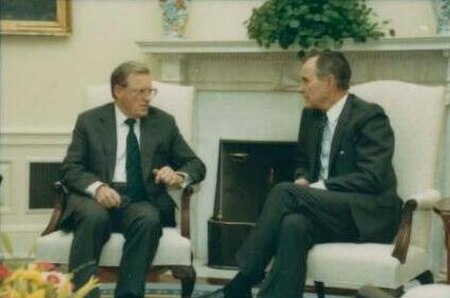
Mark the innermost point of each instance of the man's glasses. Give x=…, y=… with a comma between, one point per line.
x=145, y=92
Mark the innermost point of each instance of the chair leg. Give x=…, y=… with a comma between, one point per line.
x=395, y=293
x=187, y=276
x=425, y=278
x=320, y=289
x=369, y=291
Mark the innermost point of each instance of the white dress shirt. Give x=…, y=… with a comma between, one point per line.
x=333, y=114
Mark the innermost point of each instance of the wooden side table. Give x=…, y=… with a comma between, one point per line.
x=443, y=209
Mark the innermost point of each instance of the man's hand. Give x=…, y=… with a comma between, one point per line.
x=302, y=182
x=167, y=176
x=107, y=197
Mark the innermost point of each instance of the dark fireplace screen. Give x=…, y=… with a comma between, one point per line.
x=246, y=172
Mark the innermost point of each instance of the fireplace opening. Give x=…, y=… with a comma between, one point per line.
x=247, y=171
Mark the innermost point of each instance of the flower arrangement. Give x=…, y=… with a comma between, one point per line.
x=36, y=280
x=175, y=16
x=39, y=280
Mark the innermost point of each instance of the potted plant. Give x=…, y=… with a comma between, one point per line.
x=311, y=24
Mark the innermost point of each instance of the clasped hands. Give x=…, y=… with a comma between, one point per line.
x=302, y=182
x=108, y=197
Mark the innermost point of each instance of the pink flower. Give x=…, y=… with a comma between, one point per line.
x=54, y=277
x=4, y=271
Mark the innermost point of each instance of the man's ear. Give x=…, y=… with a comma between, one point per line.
x=331, y=80
x=117, y=89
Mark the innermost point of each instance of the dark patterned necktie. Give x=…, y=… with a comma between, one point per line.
x=135, y=186
x=322, y=122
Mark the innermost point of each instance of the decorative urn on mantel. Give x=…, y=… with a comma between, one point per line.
x=175, y=16
x=442, y=12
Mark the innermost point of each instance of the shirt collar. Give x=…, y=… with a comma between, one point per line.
x=334, y=112
x=121, y=117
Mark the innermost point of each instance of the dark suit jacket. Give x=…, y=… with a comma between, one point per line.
x=91, y=155
x=360, y=163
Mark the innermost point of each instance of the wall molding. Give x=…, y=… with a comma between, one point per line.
x=34, y=136
x=250, y=46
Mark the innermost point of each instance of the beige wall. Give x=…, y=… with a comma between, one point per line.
x=43, y=78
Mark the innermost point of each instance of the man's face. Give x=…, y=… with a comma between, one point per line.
x=313, y=88
x=134, y=98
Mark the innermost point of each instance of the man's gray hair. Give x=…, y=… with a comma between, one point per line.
x=120, y=74
x=334, y=63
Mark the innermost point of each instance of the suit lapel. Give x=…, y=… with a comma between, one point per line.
x=149, y=133
x=343, y=118
x=107, y=121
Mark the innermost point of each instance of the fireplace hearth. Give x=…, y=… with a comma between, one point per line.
x=247, y=171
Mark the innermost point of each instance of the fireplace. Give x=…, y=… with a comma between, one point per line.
x=245, y=92
x=246, y=172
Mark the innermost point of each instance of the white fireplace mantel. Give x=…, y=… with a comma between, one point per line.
x=163, y=47
x=243, y=65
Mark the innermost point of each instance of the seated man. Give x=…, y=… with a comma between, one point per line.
x=121, y=158
x=344, y=188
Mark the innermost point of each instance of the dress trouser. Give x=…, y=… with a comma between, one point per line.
x=293, y=219
x=139, y=222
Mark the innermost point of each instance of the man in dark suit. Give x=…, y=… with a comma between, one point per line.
x=344, y=188
x=122, y=157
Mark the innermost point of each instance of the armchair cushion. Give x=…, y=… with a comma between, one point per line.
x=173, y=249
x=428, y=291
x=375, y=265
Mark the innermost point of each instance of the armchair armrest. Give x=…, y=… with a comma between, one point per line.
x=58, y=208
x=182, y=197
x=421, y=201
x=427, y=199
x=442, y=206
x=185, y=211
x=403, y=237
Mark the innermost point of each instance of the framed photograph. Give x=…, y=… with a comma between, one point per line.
x=35, y=17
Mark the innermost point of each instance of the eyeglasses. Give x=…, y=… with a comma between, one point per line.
x=146, y=92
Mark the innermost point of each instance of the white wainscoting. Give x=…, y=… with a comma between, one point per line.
x=19, y=148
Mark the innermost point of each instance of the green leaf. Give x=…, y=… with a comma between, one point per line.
x=6, y=243
x=294, y=24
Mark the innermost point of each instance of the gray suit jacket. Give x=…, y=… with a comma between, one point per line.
x=91, y=155
x=360, y=163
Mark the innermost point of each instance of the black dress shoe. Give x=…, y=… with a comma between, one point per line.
x=216, y=294
x=223, y=293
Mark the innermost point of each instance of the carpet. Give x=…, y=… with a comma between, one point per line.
x=162, y=290
x=170, y=290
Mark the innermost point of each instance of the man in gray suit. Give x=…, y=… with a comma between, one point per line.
x=344, y=188
x=122, y=157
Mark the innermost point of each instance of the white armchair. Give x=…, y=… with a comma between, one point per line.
x=416, y=113
x=174, y=251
